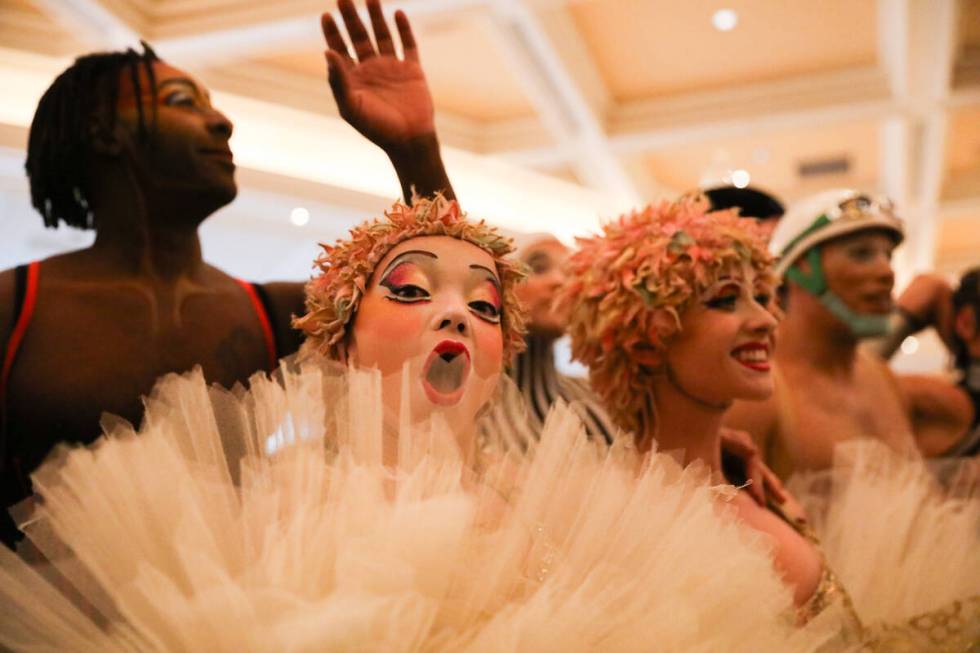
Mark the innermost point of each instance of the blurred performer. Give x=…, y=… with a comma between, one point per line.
x=944, y=411
x=131, y=147
x=751, y=203
x=966, y=349
x=835, y=258
x=533, y=371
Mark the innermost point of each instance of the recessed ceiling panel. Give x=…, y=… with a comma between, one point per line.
x=650, y=48
x=963, y=141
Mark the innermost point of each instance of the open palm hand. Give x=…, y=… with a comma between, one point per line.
x=385, y=98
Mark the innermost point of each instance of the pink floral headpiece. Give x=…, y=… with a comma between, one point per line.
x=627, y=288
x=346, y=266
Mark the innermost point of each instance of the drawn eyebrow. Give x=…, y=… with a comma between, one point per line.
x=398, y=259
x=493, y=277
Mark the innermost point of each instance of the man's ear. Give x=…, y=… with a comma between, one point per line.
x=105, y=140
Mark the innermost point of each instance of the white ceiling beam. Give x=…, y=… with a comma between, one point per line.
x=92, y=23
x=566, y=107
x=894, y=132
x=932, y=38
x=893, y=44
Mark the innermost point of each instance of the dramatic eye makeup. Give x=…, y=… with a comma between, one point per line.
x=724, y=296
x=405, y=280
x=487, y=302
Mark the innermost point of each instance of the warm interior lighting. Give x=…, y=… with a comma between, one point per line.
x=299, y=216
x=740, y=178
x=724, y=20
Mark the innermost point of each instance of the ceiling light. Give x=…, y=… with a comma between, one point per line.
x=740, y=178
x=910, y=345
x=299, y=216
x=724, y=20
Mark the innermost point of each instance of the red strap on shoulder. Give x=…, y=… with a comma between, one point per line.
x=270, y=340
x=13, y=343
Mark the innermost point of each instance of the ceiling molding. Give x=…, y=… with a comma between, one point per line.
x=566, y=111
x=111, y=24
x=932, y=42
x=246, y=29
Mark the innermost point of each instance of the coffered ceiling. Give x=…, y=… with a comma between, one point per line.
x=621, y=101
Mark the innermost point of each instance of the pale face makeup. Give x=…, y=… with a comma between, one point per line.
x=724, y=349
x=858, y=270
x=433, y=309
x=544, y=260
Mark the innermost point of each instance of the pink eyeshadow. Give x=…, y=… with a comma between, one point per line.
x=404, y=273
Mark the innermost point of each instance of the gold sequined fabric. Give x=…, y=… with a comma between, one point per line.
x=955, y=628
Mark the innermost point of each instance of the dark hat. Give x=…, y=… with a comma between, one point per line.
x=751, y=202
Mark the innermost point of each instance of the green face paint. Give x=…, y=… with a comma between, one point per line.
x=862, y=325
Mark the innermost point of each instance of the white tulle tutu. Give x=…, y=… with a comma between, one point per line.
x=903, y=536
x=281, y=519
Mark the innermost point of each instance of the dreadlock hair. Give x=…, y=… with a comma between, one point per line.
x=60, y=139
x=968, y=294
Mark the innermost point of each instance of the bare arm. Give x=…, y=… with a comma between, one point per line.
x=941, y=412
x=385, y=98
x=926, y=301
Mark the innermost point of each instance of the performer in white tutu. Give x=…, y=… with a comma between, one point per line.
x=672, y=310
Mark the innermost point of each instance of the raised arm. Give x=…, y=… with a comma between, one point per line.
x=941, y=412
x=927, y=301
x=386, y=98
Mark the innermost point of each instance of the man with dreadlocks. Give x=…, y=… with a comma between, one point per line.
x=131, y=147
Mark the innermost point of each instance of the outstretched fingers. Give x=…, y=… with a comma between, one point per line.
x=331, y=33
x=355, y=29
x=382, y=35
x=408, y=39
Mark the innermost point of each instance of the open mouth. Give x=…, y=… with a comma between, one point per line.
x=445, y=373
x=879, y=302
x=753, y=355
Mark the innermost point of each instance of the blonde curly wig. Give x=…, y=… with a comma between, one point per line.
x=627, y=287
x=332, y=297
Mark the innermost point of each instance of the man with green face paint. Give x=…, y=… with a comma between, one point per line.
x=834, y=254
x=827, y=217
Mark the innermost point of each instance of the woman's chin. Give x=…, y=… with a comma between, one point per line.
x=756, y=391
